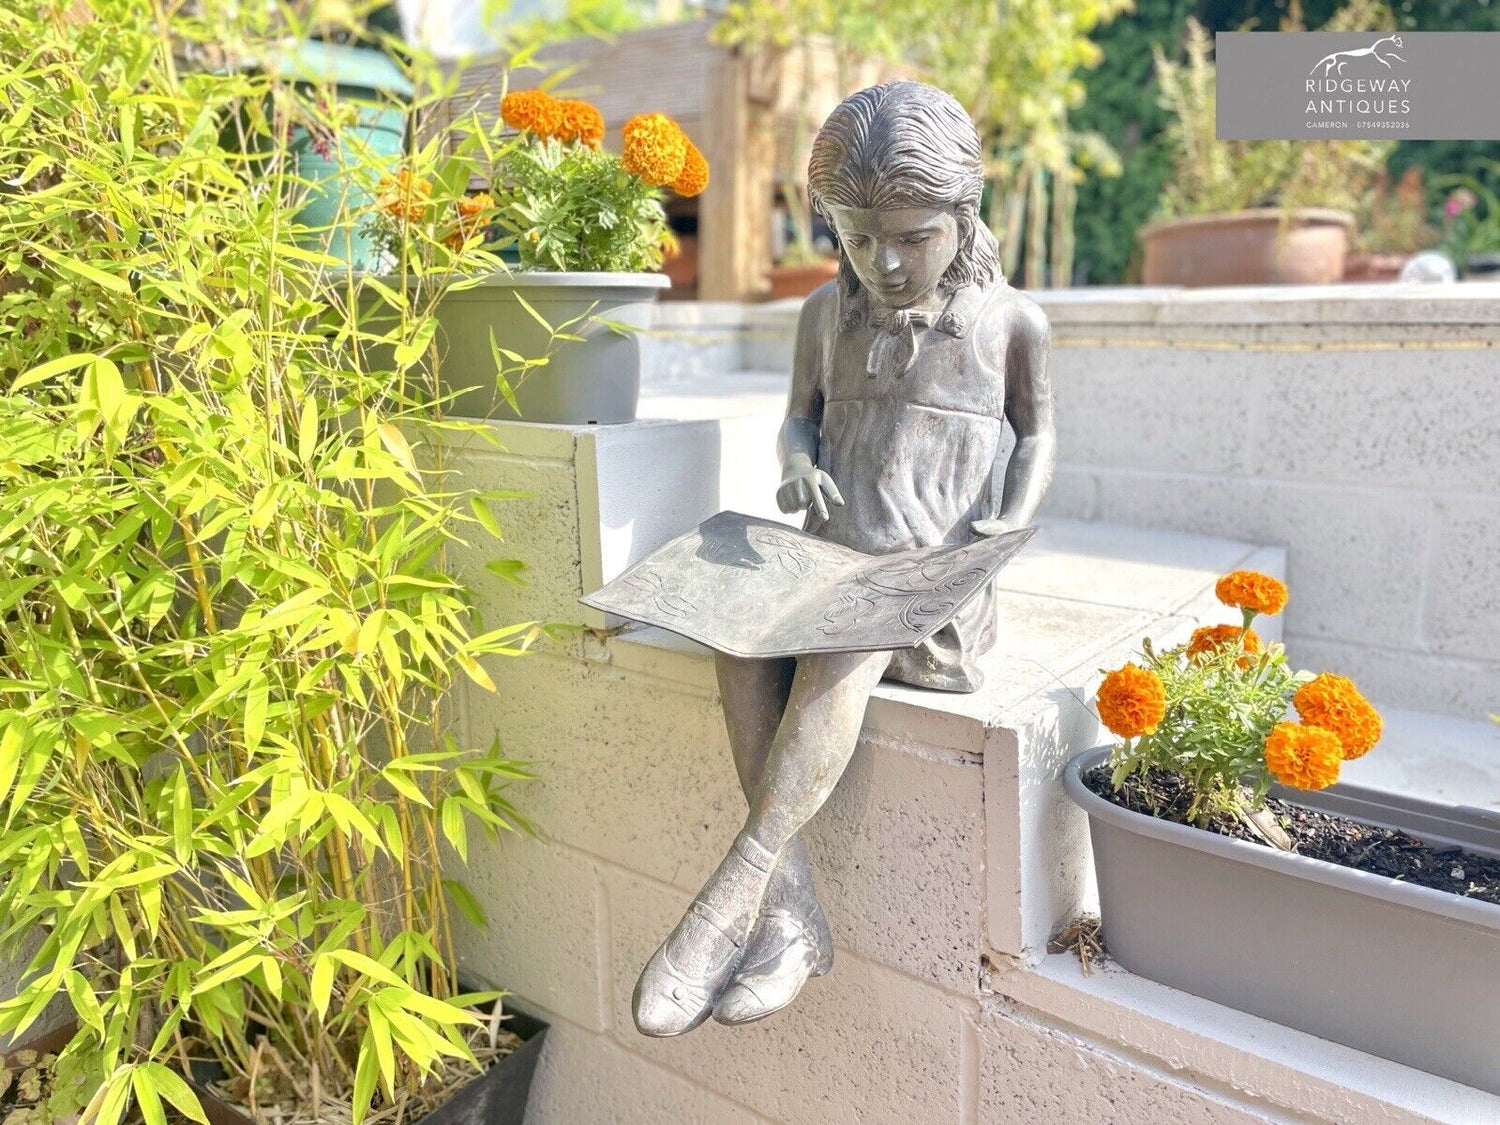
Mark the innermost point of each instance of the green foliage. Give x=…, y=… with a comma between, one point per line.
x=571, y=207
x=1394, y=220
x=796, y=31
x=1016, y=68
x=1217, y=718
x=1020, y=76
x=1209, y=175
x=1471, y=216
x=227, y=633
x=1122, y=105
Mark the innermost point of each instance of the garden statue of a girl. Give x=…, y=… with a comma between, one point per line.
x=908, y=368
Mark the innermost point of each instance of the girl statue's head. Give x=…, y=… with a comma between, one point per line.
x=896, y=171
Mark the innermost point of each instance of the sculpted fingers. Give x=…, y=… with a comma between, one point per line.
x=831, y=490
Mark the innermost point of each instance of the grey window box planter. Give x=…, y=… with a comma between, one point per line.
x=1403, y=972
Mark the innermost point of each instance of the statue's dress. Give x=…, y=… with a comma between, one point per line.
x=913, y=452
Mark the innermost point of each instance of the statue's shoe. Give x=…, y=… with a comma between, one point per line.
x=679, y=986
x=685, y=976
x=784, y=953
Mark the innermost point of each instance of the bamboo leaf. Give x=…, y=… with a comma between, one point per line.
x=485, y=517
x=146, y=1098
x=176, y=1091
x=257, y=699
x=395, y=441
x=366, y=1075
x=42, y=372
x=307, y=430
x=467, y=904
x=113, y=283
x=320, y=987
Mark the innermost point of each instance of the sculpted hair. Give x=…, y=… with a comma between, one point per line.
x=906, y=144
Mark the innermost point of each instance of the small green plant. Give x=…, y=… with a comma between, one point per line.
x=1212, y=176
x=1471, y=217
x=227, y=627
x=1394, y=220
x=573, y=207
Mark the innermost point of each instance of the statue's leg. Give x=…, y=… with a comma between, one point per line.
x=791, y=940
x=814, y=741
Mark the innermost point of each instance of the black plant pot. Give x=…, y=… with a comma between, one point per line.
x=1486, y=266
x=496, y=1097
x=499, y=1096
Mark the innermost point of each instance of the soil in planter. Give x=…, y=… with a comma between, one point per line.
x=1335, y=839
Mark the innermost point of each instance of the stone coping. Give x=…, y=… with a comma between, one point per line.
x=1385, y=304
x=1246, y=1056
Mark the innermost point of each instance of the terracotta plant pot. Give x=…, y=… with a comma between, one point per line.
x=799, y=281
x=1364, y=266
x=1248, y=248
x=1401, y=971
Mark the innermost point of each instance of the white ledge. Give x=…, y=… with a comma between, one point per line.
x=1261, y=1062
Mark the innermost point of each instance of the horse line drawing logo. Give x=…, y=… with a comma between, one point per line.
x=1334, y=62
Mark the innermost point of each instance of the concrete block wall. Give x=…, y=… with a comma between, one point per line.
x=919, y=854
x=1356, y=426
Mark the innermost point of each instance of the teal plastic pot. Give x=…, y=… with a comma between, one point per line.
x=337, y=205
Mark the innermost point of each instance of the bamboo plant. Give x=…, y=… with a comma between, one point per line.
x=228, y=634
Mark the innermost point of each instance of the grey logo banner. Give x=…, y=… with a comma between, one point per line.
x=1326, y=85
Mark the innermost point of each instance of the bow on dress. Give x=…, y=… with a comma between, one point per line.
x=898, y=332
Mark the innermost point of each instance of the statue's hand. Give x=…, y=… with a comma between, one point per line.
x=804, y=485
x=990, y=528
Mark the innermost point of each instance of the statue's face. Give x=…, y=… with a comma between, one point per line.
x=900, y=255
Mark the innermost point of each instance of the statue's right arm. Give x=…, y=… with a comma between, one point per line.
x=803, y=484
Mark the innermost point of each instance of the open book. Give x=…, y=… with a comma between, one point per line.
x=752, y=587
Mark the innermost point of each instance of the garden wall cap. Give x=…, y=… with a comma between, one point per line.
x=1425, y=899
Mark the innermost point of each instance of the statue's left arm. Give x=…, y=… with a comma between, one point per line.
x=1028, y=409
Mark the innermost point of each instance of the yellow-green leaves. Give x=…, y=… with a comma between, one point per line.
x=230, y=622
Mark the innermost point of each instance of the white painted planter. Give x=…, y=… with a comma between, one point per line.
x=1404, y=972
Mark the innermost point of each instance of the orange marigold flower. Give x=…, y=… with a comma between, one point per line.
x=472, y=212
x=1335, y=704
x=1132, y=701
x=655, y=148
x=403, y=196
x=694, y=175
x=1207, y=639
x=532, y=111
x=580, y=121
x=1303, y=757
x=1252, y=590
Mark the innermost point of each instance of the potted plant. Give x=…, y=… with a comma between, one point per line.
x=228, y=634
x=1247, y=212
x=1391, y=225
x=1471, y=225
x=1231, y=865
x=585, y=232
